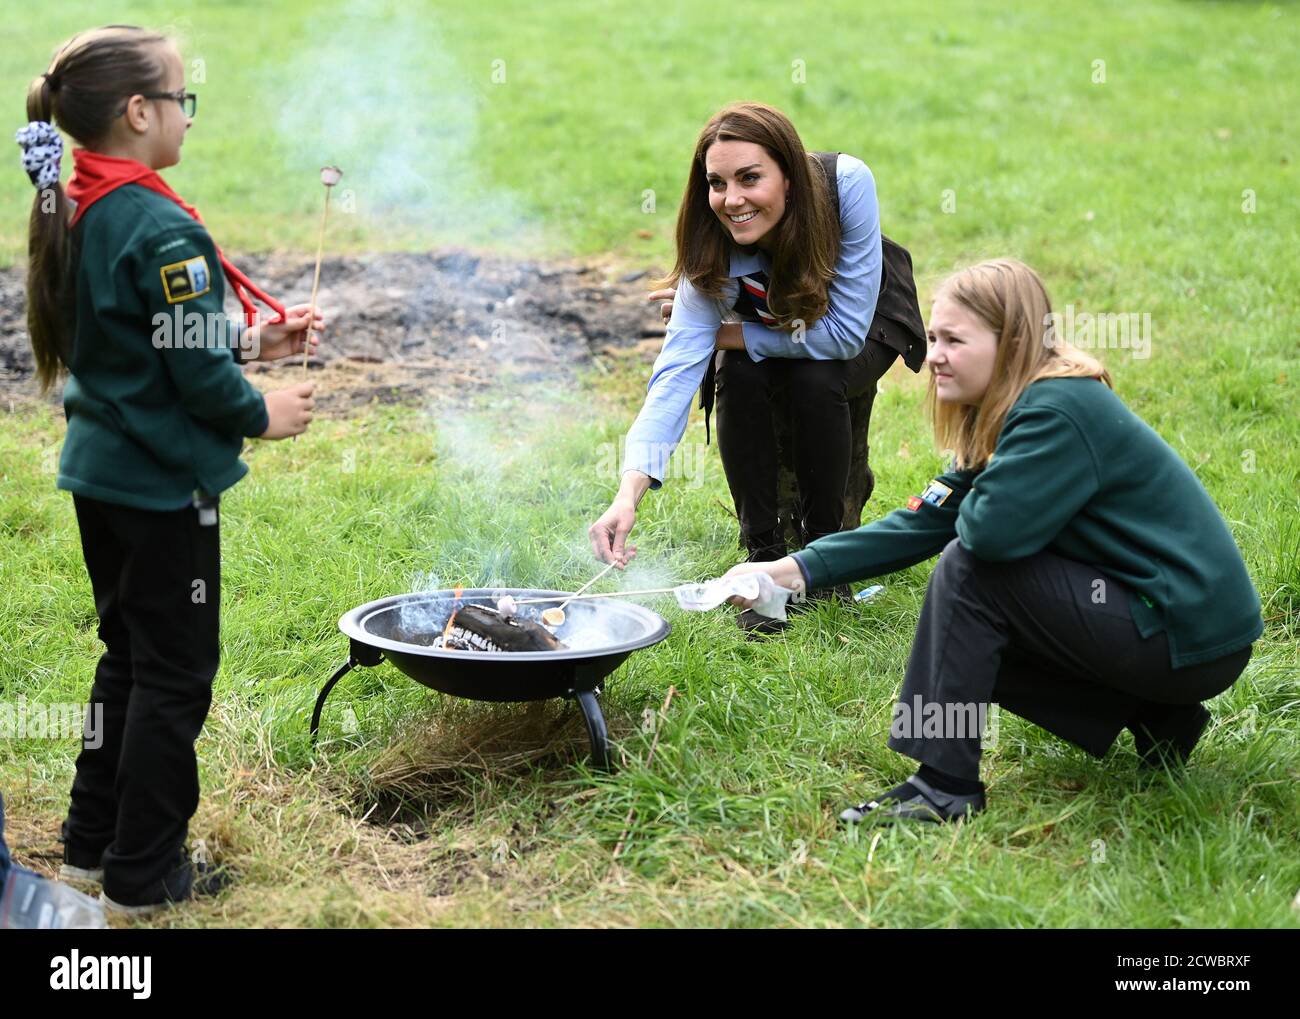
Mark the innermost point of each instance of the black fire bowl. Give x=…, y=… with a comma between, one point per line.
x=602, y=633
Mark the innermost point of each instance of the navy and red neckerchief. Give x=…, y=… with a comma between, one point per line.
x=751, y=298
x=95, y=175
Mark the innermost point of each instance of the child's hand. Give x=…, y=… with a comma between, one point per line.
x=289, y=410
x=273, y=341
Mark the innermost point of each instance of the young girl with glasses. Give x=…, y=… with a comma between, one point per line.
x=125, y=297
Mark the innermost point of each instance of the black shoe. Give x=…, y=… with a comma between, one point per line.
x=1166, y=734
x=79, y=863
x=81, y=867
x=765, y=547
x=756, y=625
x=190, y=880
x=928, y=804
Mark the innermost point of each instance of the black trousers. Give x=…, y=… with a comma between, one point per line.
x=816, y=396
x=1047, y=638
x=156, y=577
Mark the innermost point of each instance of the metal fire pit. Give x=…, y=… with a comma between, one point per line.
x=603, y=632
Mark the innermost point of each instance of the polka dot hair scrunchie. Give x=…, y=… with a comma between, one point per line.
x=42, y=152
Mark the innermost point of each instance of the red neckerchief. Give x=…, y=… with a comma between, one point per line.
x=94, y=175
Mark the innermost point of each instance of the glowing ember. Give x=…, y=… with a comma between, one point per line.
x=452, y=618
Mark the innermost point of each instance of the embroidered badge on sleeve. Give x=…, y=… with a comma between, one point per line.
x=184, y=280
x=936, y=494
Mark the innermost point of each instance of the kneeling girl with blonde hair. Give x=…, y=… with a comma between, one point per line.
x=1087, y=581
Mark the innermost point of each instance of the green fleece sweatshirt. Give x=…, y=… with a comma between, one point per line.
x=1076, y=472
x=157, y=406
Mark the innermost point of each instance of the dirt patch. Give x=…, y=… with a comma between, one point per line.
x=422, y=772
x=402, y=324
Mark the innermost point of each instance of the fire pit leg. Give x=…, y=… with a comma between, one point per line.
x=595, y=728
x=344, y=669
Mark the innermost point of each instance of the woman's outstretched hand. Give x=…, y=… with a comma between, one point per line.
x=784, y=572
x=609, y=533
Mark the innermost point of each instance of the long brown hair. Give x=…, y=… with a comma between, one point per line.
x=82, y=92
x=807, y=238
x=1009, y=297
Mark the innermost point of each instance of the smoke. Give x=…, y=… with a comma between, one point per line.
x=374, y=90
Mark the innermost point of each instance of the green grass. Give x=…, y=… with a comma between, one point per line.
x=996, y=104
x=1126, y=195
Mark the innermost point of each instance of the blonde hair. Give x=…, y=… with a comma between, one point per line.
x=1009, y=297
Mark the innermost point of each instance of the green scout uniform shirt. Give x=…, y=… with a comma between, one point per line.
x=150, y=423
x=1076, y=472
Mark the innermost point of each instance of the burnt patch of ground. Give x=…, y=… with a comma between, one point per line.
x=401, y=324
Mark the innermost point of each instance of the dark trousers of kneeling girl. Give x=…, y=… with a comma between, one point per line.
x=1047, y=638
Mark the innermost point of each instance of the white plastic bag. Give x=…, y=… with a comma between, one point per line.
x=29, y=901
x=769, y=597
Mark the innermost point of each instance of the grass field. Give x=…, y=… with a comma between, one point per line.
x=1167, y=189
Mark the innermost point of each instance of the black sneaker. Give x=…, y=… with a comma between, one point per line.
x=80, y=864
x=80, y=869
x=190, y=880
x=928, y=804
x=1165, y=735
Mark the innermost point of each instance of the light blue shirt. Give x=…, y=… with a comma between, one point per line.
x=692, y=330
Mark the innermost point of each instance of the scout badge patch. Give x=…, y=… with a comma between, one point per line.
x=184, y=280
x=936, y=494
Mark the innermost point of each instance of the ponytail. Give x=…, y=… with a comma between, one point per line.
x=49, y=318
x=83, y=91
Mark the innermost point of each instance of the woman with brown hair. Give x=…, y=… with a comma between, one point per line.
x=1087, y=582
x=782, y=291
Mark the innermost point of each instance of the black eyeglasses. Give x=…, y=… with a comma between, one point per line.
x=188, y=100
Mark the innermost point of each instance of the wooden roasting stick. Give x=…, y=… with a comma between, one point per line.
x=607, y=594
x=329, y=176
x=555, y=616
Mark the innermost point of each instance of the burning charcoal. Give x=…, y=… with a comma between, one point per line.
x=479, y=628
